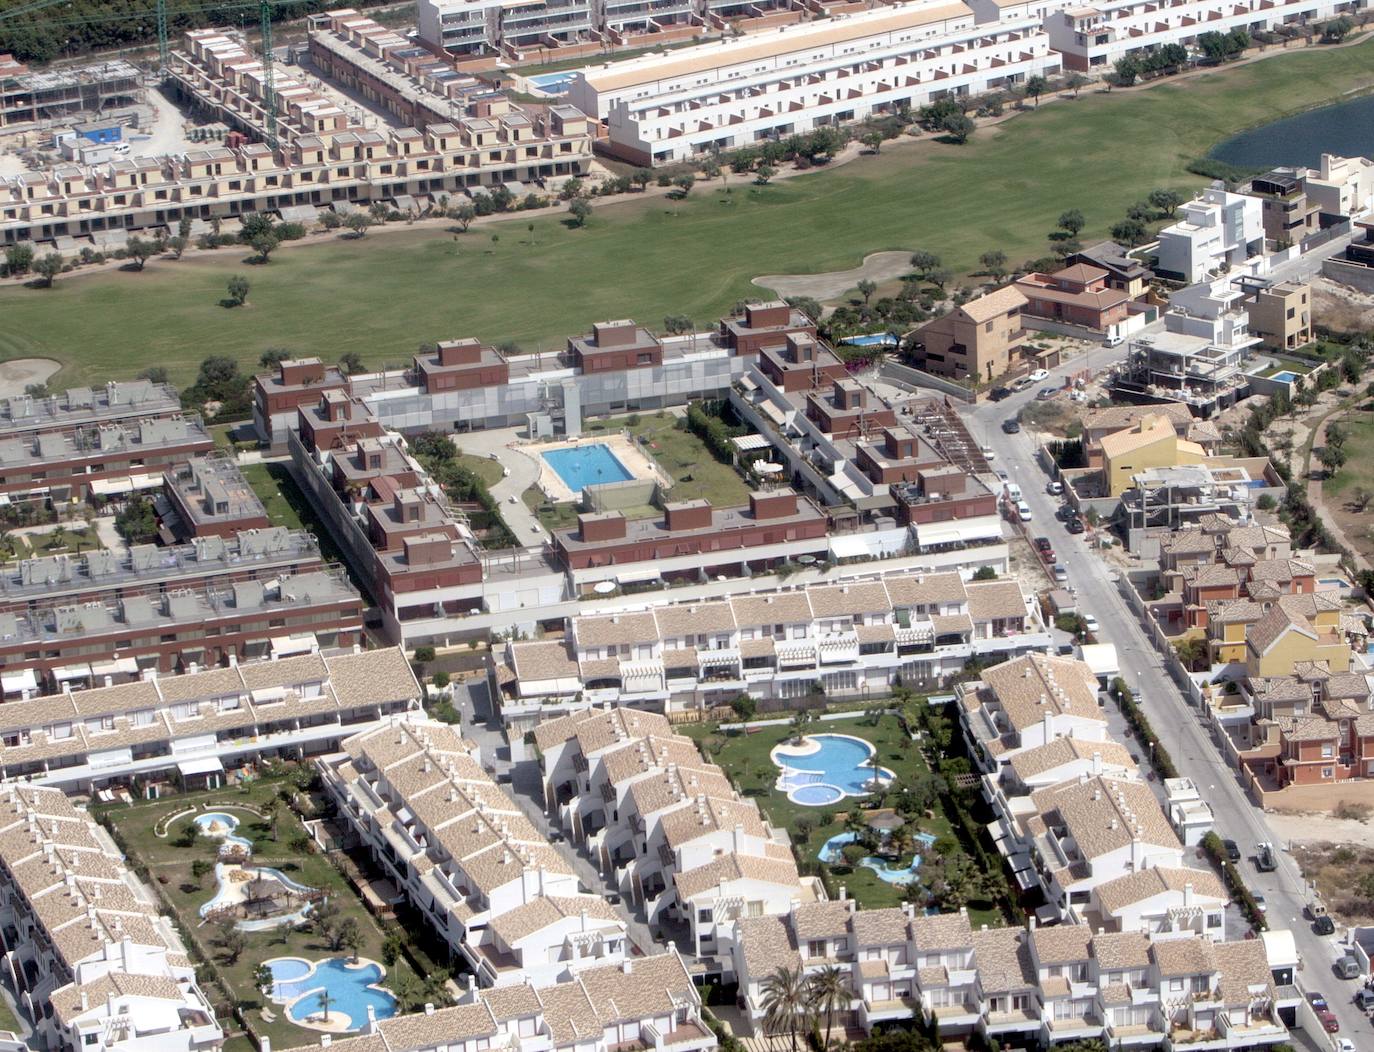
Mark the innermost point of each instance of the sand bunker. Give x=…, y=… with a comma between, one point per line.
x=877, y=266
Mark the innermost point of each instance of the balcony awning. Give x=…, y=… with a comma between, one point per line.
x=118, y=667
x=200, y=765
x=706, y=657
x=637, y=576
x=125, y=484
x=286, y=646
x=959, y=531
x=750, y=443
x=18, y=682
x=68, y=672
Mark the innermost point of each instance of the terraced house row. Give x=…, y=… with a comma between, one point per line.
x=201, y=724
x=84, y=949
x=1024, y=988
x=321, y=162
x=647, y=1002
x=861, y=636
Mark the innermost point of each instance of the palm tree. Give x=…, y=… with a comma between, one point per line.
x=784, y=997
x=325, y=1001
x=827, y=991
x=271, y=810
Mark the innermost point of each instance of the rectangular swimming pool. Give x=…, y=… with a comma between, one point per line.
x=553, y=83
x=590, y=465
x=1285, y=377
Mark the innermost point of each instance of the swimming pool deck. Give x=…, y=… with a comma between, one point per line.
x=631, y=457
x=303, y=985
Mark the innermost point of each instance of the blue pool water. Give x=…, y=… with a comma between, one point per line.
x=1285, y=377
x=350, y=990
x=816, y=795
x=837, y=769
x=880, y=339
x=832, y=851
x=590, y=465
x=553, y=83
x=221, y=826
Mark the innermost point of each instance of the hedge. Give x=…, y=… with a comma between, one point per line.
x=1160, y=759
x=1235, y=883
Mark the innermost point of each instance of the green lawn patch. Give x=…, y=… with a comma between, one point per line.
x=696, y=474
x=647, y=258
x=279, y=494
x=486, y=469
x=8, y=1021
x=1358, y=469
x=551, y=516
x=169, y=866
x=746, y=759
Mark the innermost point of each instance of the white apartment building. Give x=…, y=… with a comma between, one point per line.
x=1023, y=988
x=667, y=825
x=463, y=852
x=197, y=723
x=1198, y=358
x=644, y=1002
x=666, y=108
x=1342, y=186
x=1219, y=229
x=416, y=795
x=853, y=638
x=491, y=26
x=1092, y=37
x=85, y=950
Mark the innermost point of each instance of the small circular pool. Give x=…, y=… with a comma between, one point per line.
x=216, y=823
x=816, y=794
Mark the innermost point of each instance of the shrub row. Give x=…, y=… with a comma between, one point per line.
x=1160, y=759
x=1235, y=883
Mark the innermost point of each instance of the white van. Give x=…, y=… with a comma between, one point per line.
x=1013, y=492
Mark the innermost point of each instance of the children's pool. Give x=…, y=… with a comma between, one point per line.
x=588, y=465
x=553, y=83
x=832, y=851
x=349, y=990
x=826, y=768
x=1285, y=377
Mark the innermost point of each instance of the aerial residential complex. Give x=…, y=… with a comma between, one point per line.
x=465, y=385
x=671, y=107
x=92, y=961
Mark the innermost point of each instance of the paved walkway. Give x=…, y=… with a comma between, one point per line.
x=523, y=471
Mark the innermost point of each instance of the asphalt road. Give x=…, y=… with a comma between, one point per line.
x=1179, y=726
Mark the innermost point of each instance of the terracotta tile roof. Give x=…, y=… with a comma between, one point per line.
x=684, y=619
x=1061, y=944
x=941, y=931
x=880, y=927
x=1121, y=951
x=994, y=304
x=537, y=914
x=1003, y=958
x=1030, y=686
x=729, y=868
x=1105, y=814
x=767, y=945
x=994, y=600
x=614, y=629
x=1116, y=895
x=822, y=920
x=1188, y=956
x=543, y=661
x=1030, y=763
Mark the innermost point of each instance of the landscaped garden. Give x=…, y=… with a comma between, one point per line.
x=381, y=295
x=896, y=840
x=255, y=899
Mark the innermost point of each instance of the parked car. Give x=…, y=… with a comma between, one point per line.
x=1264, y=858
x=1038, y=376
x=1023, y=511
x=1001, y=474
x=1348, y=967
x=1046, y=393
x=1063, y=512
x=998, y=393
x=1232, y=850
x=1022, y=383
x=1261, y=903
x=1113, y=341
x=1054, y=488
x=1090, y=623
x=1042, y=544
x=1364, y=999
x=1011, y=426
x=1329, y=1022
x=1317, y=1001
x=1060, y=574
x=989, y=454
x=1075, y=525
x=1324, y=925
x=1344, y=1044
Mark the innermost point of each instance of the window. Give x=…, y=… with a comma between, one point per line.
x=1328, y=772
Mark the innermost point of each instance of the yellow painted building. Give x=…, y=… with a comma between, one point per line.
x=1151, y=443
x=1281, y=639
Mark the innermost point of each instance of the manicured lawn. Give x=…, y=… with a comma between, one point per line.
x=278, y=492
x=170, y=866
x=696, y=474
x=647, y=258
x=746, y=758
x=486, y=469
x=73, y=539
x=7, y=1019
x=550, y=516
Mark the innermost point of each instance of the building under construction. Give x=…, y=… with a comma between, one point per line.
x=37, y=100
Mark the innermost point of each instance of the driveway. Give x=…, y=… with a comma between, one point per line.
x=1180, y=727
x=523, y=471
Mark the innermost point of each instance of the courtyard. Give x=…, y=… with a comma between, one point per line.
x=271, y=909
x=894, y=832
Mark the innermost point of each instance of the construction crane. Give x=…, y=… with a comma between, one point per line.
x=263, y=7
